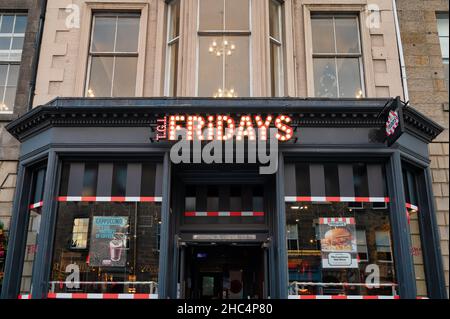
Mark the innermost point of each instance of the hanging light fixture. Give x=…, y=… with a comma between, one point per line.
x=225, y=93
x=225, y=48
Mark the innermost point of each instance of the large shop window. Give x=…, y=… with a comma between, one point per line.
x=34, y=223
x=113, y=55
x=12, y=34
x=337, y=56
x=224, y=48
x=108, y=229
x=338, y=230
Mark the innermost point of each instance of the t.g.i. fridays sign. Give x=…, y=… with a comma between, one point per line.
x=223, y=127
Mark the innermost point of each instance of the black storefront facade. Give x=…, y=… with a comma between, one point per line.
x=101, y=211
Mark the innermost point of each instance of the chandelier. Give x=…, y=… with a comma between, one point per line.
x=225, y=93
x=225, y=48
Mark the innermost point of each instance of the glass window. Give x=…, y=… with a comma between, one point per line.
x=338, y=240
x=276, y=48
x=442, y=20
x=173, y=40
x=120, y=255
x=361, y=241
x=110, y=235
x=337, y=56
x=80, y=233
x=224, y=48
x=413, y=211
x=34, y=222
x=113, y=55
x=12, y=33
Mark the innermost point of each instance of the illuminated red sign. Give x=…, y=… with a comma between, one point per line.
x=223, y=127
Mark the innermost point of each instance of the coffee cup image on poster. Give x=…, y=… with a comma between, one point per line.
x=338, y=242
x=108, y=246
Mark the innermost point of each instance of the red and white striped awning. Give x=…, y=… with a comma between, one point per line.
x=223, y=214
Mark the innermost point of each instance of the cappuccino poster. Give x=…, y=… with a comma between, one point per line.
x=108, y=241
x=338, y=242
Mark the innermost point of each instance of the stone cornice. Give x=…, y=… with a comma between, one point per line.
x=141, y=112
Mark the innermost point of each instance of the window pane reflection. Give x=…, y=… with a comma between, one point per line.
x=347, y=37
x=325, y=80
x=127, y=35
x=237, y=15
x=125, y=76
x=101, y=76
x=210, y=75
x=237, y=71
x=211, y=15
x=104, y=34
x=322, y=35
x=349, y=77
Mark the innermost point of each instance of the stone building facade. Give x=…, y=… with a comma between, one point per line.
x=284, y=43
x=20, y=22
x=428, y=93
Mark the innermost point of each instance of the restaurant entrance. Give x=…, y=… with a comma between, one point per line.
x=227, y=271
x=222, y=230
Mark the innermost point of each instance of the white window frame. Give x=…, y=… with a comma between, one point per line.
x=280, y=44
x=88, y=11
x=445, y=59
x=336, y=55
x=114, y=55
x=14, y=57
x=169, y=47
x=365, y=39
x=246, y=33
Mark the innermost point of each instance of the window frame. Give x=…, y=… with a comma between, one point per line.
x=114, y=55
x=88, y=11
x=234, y=33
x=336, y=55
x=9, y=61
x=367, y=74
x=87, y=233
x=169, y=45
x=280, y=43
x=445, y=59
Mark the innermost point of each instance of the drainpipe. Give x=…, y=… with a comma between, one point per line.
x=400, y=53
x=37, y=52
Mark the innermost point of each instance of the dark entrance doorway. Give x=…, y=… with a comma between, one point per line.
x=225, y=271
x=222, y=231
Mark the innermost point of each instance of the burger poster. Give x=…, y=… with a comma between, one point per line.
x=338, y=242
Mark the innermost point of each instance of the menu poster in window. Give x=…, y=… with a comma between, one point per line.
x=108, y=241
x=338, y=242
